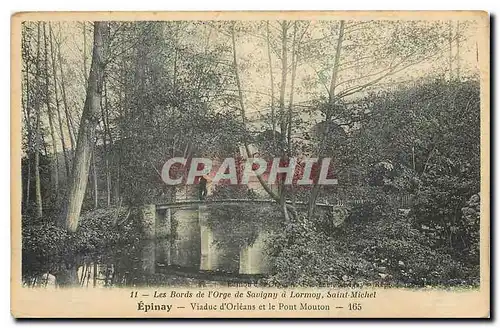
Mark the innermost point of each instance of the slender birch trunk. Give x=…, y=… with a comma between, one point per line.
x=86, y=134
x=38, y=187
x=271, y=77
x=58, y=104
x=333, y=84
x=27, y=118
x=55, y=160
x=243, y=114
x=284, y=72
x=69, y=124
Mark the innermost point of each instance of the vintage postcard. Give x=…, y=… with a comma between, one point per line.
x=250, y=165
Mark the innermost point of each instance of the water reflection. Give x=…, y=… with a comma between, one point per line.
x=150, y=263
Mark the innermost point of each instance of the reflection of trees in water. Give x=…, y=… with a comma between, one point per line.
x=120, y=265
x=131, y=265
x=138, y=264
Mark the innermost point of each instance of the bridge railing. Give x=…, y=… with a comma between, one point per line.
x=404, y=201
x=182, y=203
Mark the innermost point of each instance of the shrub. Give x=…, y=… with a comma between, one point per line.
x=48, y=247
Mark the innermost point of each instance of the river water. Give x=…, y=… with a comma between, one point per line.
x=150, y=263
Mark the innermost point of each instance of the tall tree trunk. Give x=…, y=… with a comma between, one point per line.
x=450, y=48
x=58, y=105
x=284, y=71
x=413, y=158
x=27, y=118
x=108, y=182
x=292, y=87
x=55, y=160
x=271, y=77
x=106, y=138
x=289, y=120
x=243, y=114
x=331, y=97
x=94, y=272
x=28, y=182
x=84, y=52
x=176, y=46
x=86, y=134
x=65, y=99
x=283, y=117
x=38, y=186
x=457, y=43
x=94, y=179
x=117, y=150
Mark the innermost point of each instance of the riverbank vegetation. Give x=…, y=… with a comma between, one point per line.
x=395, y=104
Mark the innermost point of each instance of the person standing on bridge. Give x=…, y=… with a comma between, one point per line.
x=202, y=191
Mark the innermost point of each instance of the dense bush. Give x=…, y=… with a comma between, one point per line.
x=445, y=208
x=47, y=247
x=421, y=140
x=386, y=250
x=305, y=256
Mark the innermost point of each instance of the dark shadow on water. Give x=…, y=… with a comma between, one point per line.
x=146, y=264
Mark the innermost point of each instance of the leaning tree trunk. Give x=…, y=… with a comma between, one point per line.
x=84, y=146
x=86, y=133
